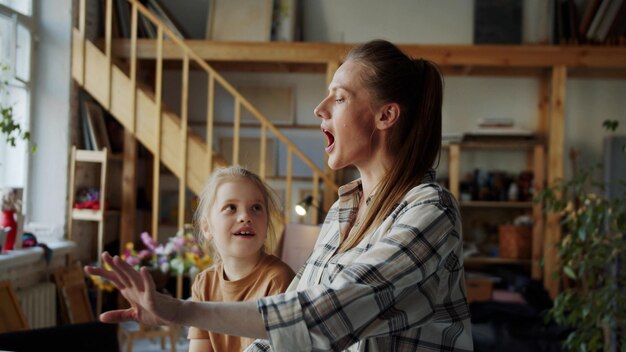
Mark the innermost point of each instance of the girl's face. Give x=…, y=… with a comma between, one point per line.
x=347, y=115
x=238, y=220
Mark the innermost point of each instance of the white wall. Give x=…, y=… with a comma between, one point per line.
x=467, y=99
x=48, y=174
x=400, y=21
x=589, y=101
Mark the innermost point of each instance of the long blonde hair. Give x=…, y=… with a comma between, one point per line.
x=417, y=87
x=207, y=200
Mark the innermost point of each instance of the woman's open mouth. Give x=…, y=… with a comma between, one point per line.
x=330, y=140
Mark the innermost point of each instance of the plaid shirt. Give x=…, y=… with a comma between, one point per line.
x=400, y=289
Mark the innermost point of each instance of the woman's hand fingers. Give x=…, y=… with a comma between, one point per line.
x=109, y=275
x=148, y=281
x=120, y=267
x=118, y=316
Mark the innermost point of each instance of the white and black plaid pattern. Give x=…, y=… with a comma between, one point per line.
x=400, y=289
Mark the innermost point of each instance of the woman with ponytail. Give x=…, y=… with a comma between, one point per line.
x=386, y=273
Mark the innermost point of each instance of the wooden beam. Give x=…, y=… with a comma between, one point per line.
x=555, y=172
x=454, y=170
x=444, y=55
x=538, y=218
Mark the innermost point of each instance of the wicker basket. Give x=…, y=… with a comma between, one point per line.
x=515, y=241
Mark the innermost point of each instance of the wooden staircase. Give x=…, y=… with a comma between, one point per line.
x=139, y=108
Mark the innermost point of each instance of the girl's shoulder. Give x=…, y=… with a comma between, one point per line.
x=209, y=272
x=275, y=266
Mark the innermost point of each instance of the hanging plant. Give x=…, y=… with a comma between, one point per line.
x=11, y=130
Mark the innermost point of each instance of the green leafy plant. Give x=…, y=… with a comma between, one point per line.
x=9, y=128
x=592, y=252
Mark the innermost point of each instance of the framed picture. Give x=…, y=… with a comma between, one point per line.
x=240, y=20
x=275, y=103
x=285, y=21
x=249, y=153
x=12, y=316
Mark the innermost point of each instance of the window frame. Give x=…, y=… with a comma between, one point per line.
x=28, y=23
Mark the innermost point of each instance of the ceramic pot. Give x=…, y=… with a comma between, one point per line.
x=7, y=220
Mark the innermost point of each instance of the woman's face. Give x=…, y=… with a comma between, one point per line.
x=347, y=115
x=238, y=220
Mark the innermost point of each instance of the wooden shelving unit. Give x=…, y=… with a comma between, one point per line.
x=99, y=157
x=491, y=204
x=535, y=153
x=551, y=65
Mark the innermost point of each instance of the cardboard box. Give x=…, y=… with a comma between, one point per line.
x=478, y=289
x=515, y=241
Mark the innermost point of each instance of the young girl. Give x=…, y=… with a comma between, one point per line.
x=386, y=273
x=234, y=219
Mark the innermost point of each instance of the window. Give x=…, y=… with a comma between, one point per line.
x=16, y=42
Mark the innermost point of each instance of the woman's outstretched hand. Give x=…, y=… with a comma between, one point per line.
x=147, y=306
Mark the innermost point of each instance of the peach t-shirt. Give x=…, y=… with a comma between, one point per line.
x=271, y=276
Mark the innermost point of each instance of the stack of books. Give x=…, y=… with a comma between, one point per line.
x=498, y=128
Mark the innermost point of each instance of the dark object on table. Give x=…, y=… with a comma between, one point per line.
x=91, y=337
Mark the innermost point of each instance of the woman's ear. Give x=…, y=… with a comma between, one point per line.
x=388, y=115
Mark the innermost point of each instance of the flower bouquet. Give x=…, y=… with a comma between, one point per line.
x=181, y=255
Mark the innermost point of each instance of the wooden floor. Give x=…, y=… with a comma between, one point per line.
x=153, y=345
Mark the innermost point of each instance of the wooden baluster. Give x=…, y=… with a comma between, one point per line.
x=288, y=186
x=263, y=155
x=236, y=126
x=209, y=124
x=316, y=198
x=156, y=173
x=108, y=23
x=182, y=189
x=133, y=66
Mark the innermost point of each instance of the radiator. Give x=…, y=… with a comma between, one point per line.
x=39, y=305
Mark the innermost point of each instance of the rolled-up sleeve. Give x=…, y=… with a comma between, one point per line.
x=379, y=288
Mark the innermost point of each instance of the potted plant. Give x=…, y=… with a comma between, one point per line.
x=592, y=253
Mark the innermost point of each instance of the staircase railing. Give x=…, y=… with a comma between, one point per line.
x=163, y=34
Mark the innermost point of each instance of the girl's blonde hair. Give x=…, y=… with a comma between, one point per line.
x=207, y=200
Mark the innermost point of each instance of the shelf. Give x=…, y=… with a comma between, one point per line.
x=496, y=204
x=92, y=215
x=91, y=156
x=86, y=214
x=495, y=260
x=496, y=143
x=528, y=60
